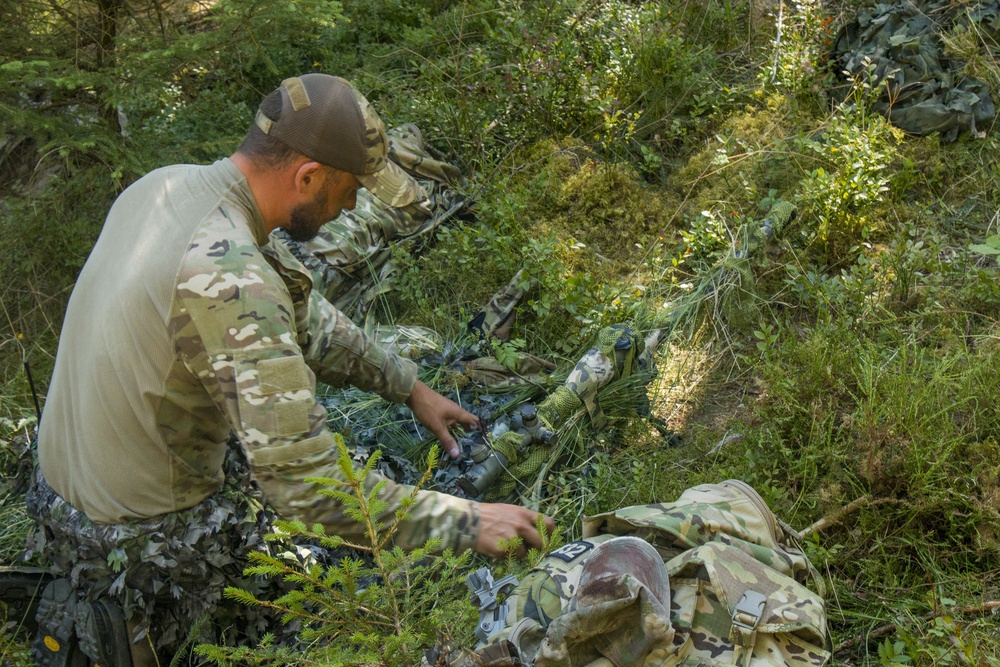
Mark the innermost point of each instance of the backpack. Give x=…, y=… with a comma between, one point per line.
x=711, y=579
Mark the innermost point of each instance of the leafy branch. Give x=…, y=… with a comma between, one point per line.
x=377, y=605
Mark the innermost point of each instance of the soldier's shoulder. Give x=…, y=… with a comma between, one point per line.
x=223, y=263
x=223, y=239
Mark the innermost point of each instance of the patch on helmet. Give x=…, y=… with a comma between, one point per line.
x=570, y=552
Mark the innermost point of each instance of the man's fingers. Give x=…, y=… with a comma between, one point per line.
x=532, y=538
x=502, y=522
x=465, y=418
x=447, y=442
x=437, y=413
x=469, y=420
x=531, y=535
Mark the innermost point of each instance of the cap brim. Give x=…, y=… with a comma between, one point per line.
x=392, y=185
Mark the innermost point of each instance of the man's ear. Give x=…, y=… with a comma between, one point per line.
x=309, y=178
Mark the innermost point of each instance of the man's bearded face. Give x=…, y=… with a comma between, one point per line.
x=340, y=192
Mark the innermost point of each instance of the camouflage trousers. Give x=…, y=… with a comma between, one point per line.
x=169, y=573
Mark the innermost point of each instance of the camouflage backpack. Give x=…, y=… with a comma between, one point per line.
x=710, y=579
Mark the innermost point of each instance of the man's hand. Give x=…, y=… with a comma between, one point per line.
x=498, y=522
x=438, y=413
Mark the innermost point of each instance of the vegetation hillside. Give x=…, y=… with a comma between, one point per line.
x=615, y=149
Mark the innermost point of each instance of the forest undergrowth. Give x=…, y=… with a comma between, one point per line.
x=615, y=150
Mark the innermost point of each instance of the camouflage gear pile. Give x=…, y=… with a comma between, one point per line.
x=737, y=591
x=900, y=44
x=350, y=259
x=171, y=570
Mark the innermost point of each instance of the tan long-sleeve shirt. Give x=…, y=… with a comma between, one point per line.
x=178, y=332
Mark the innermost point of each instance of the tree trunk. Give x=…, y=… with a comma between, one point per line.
x=109, y=14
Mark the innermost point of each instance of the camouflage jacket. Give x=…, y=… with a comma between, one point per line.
x=180, y=331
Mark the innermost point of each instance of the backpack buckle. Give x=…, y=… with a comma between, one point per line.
x=743, y=631
x=485, y=591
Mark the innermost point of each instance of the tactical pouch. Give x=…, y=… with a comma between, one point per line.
x=732, y=609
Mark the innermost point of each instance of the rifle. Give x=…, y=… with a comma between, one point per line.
x=620, y=354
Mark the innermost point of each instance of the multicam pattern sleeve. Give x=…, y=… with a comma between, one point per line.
x=340, y=353
x=233, y=324
x=336, y=349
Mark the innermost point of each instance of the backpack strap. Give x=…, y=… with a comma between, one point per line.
x=743, y=631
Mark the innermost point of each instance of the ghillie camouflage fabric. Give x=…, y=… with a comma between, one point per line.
x=495, y=318
x=901, y=45
x=619, y=353
x=710, y=579
x=350, y=258
x=172, y=569
x=616, y=355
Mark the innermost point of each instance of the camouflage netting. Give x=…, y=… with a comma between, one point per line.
x=901, y=45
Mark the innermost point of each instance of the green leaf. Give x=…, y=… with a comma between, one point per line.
x=117, y=558
x=984, y=249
